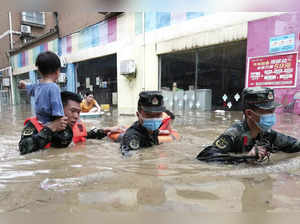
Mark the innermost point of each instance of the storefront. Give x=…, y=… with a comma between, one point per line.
x=6, y=96
x=100, y=76
x=21, y=96
x=273, y=56
x=192, y=51
x=220, y=68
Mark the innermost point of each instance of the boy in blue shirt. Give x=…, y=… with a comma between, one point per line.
x=47, y=97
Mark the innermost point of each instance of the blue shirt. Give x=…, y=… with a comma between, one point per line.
x=47, y=101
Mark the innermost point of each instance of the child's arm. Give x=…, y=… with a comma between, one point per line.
x=25, y=85
x=22, y=84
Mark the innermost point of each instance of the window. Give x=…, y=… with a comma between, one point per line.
x=33, y=18
x=220, y=68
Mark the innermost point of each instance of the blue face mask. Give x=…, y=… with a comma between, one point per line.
x=267, y=121
x=152, y=123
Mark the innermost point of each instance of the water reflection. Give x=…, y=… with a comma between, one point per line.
x=163, y=178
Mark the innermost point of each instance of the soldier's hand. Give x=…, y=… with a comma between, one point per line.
x=261, y=152
x=59, y=124
x=115, y=129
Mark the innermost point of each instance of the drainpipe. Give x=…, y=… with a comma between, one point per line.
x=144, y=65
x=10, y=32
x=12, y=92
x=56, y=21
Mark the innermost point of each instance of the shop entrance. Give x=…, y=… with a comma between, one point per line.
x=5, y=86
x=220, y=68
x=100, y=76
x=21, y=96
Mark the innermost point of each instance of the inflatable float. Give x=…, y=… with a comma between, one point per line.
x=91, y=114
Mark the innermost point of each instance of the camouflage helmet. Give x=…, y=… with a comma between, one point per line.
x=259, y=97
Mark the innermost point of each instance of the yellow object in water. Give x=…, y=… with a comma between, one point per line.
x=105, y=107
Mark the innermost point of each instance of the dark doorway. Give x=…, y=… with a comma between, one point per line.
x=101, y=76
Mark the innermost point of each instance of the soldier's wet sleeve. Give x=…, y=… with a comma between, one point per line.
x=130, y=141
x=32, y=141
x=215, y=152
x=62, y=139
x=284, y=143
x=96, y=133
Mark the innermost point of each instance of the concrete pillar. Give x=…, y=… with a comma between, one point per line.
x=71, y=79
x=33, y=79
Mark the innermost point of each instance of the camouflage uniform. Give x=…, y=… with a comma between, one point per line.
x=233, y=141
x=237, y=139
x=32, y=140
x=137, y=136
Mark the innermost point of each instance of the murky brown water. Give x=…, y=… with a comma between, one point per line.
x=95, y=177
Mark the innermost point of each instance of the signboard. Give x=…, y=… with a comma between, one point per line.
x=5, y=82
x=282, y=43
x=277, y=71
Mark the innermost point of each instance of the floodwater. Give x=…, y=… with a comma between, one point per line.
x=95, y=177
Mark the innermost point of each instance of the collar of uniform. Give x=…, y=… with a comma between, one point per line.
x=248, y=133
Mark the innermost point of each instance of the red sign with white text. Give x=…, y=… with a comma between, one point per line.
x=277, y=71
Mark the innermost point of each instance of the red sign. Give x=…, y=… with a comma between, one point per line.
x=277, y=71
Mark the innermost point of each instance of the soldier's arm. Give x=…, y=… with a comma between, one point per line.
x=223, y=150
x=62, y=139
x=284, y=143
x=32, y=141
x=218, y=151
x=96, y=133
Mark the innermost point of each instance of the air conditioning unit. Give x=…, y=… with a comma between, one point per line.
x=128, y=69
x=62, y=78
x=63, y=61
x=25, y=29
x=33, y=18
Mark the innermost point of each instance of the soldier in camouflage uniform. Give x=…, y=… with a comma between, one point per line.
x=144, y=132
x=58, y=133
x=252, y=136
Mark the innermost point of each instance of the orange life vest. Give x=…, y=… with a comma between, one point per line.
x=172, y=136
x=79, y=130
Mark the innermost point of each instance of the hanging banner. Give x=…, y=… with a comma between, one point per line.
x=276, y=71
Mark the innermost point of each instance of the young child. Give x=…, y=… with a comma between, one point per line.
x=47, y=98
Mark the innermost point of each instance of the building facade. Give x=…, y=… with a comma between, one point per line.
x=272, y=58
x=125, y=53
x=21, y=31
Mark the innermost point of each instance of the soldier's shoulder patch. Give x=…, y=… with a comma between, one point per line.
x=134, y=143
x=222, y=143
x=27, y=131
